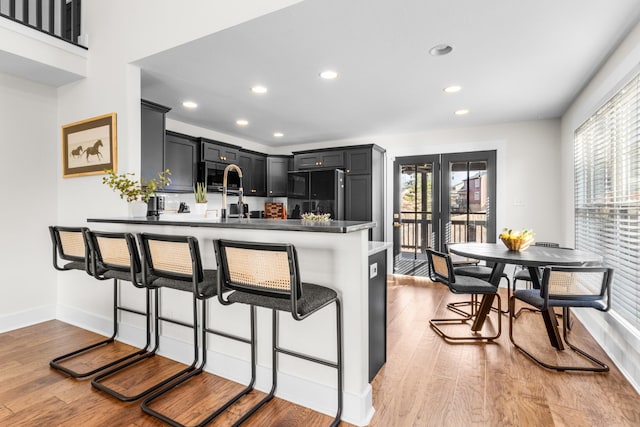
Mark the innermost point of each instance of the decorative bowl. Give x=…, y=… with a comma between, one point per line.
x=517, y=244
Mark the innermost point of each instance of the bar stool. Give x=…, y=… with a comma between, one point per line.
x=118, y=259
x=175, y=262
x=171, y=262
x=267, y=275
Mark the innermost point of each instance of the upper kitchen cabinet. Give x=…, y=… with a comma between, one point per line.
x=277, y=174
x=152, y=138
x=254, y=172
x=315, y=159
x=216, y=151
x=357, y=160
x=181, y=156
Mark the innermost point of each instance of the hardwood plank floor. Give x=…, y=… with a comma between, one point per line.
x=425, y=382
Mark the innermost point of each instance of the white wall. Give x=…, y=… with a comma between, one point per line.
x=28, y=158
x=619, y=341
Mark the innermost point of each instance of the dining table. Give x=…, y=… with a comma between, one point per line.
x=533, y=258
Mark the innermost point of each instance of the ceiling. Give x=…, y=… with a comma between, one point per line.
x=515, y=60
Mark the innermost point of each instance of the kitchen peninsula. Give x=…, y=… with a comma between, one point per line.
x=333, y=254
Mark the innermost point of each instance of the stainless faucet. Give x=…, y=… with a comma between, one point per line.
x=223, y=211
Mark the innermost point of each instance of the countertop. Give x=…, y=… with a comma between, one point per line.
x=375, y=247
x=190, y=220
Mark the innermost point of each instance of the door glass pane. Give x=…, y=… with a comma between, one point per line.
x=468, y=201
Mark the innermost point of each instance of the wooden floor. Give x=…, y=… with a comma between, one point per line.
x=426, y=382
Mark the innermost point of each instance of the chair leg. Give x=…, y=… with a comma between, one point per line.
x=338, y=365
x=600, y=366
x=97, y=382
x=205, y=329
x=434, y=323
x=57, y=362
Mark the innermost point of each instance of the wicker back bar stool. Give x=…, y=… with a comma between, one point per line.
x=109, y=256
x=267, y=275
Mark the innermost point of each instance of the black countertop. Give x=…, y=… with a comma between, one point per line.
x=186, y=220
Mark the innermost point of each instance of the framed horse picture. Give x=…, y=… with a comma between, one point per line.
x=89, y=146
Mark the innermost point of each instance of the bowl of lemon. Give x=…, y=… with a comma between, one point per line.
x=516, y=240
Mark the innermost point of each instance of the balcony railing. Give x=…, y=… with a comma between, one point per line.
x=415, y=234
x=58, y=18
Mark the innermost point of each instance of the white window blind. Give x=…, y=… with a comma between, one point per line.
x=607, y=194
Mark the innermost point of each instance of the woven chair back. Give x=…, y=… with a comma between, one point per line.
x=173, y=257
x=584, y=284
x=70, y=242
x=261, y=268
x=115, y=251
x=441, y=266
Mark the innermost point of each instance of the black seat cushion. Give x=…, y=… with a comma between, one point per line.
x=532, y=297
x=125, y=275
x=74, y=265
x=313, y=298
x=471, y=285
x=207, y=287
x=523, y=275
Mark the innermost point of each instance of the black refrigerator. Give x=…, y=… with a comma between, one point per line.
x=319, y=191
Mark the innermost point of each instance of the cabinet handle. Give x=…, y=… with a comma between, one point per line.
x=271, y=192
x=348, y=170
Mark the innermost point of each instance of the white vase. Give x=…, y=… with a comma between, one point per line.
x=137, y=209
x=200, y=209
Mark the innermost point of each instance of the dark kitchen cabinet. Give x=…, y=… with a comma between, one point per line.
x=216, y=151
x=181, y=156
x=318, y=159
x=277, y=173
x=254, y=171
x=358, y=197
x=364, y=195
x=152, y=118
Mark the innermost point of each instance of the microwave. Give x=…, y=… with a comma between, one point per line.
x=213, y=174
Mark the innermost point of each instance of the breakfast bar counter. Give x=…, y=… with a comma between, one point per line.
x=332, y=254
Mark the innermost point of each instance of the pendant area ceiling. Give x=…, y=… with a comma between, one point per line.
x=515, y=60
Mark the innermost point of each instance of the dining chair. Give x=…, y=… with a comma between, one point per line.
x=444, y=272
x=471, y=268
x=566, y=287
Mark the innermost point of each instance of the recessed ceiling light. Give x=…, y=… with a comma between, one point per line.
x=452, y=89
x=439, y=50
x=278, y=134
x=189, y=104
x=462, y=112
x=242, y=122
x=259, y=89
x=328, y=74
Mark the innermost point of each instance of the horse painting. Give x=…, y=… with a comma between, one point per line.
x=94, y=150
x=77, y=152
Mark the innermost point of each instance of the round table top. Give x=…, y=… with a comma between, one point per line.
x=533, y=256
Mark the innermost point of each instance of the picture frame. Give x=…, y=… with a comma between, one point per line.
x=89, y=146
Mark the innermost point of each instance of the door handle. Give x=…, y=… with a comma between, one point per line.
x=397, y=224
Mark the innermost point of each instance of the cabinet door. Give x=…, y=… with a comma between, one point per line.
x=259, y=176
x=244, y=161
x=277, y=173
x=212, y=152
x=152, y=139
x=181, y=157
x=358, y=161
x=358, y=198
x=306, y=161
x=332, y=159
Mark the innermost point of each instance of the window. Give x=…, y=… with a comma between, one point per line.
x=607, y=194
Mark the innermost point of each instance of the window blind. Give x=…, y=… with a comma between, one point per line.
x=607, y=194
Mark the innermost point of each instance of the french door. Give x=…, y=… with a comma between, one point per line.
x=440, y=199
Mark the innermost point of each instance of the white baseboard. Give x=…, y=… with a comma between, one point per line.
x=27, y=318
x=357, y=408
